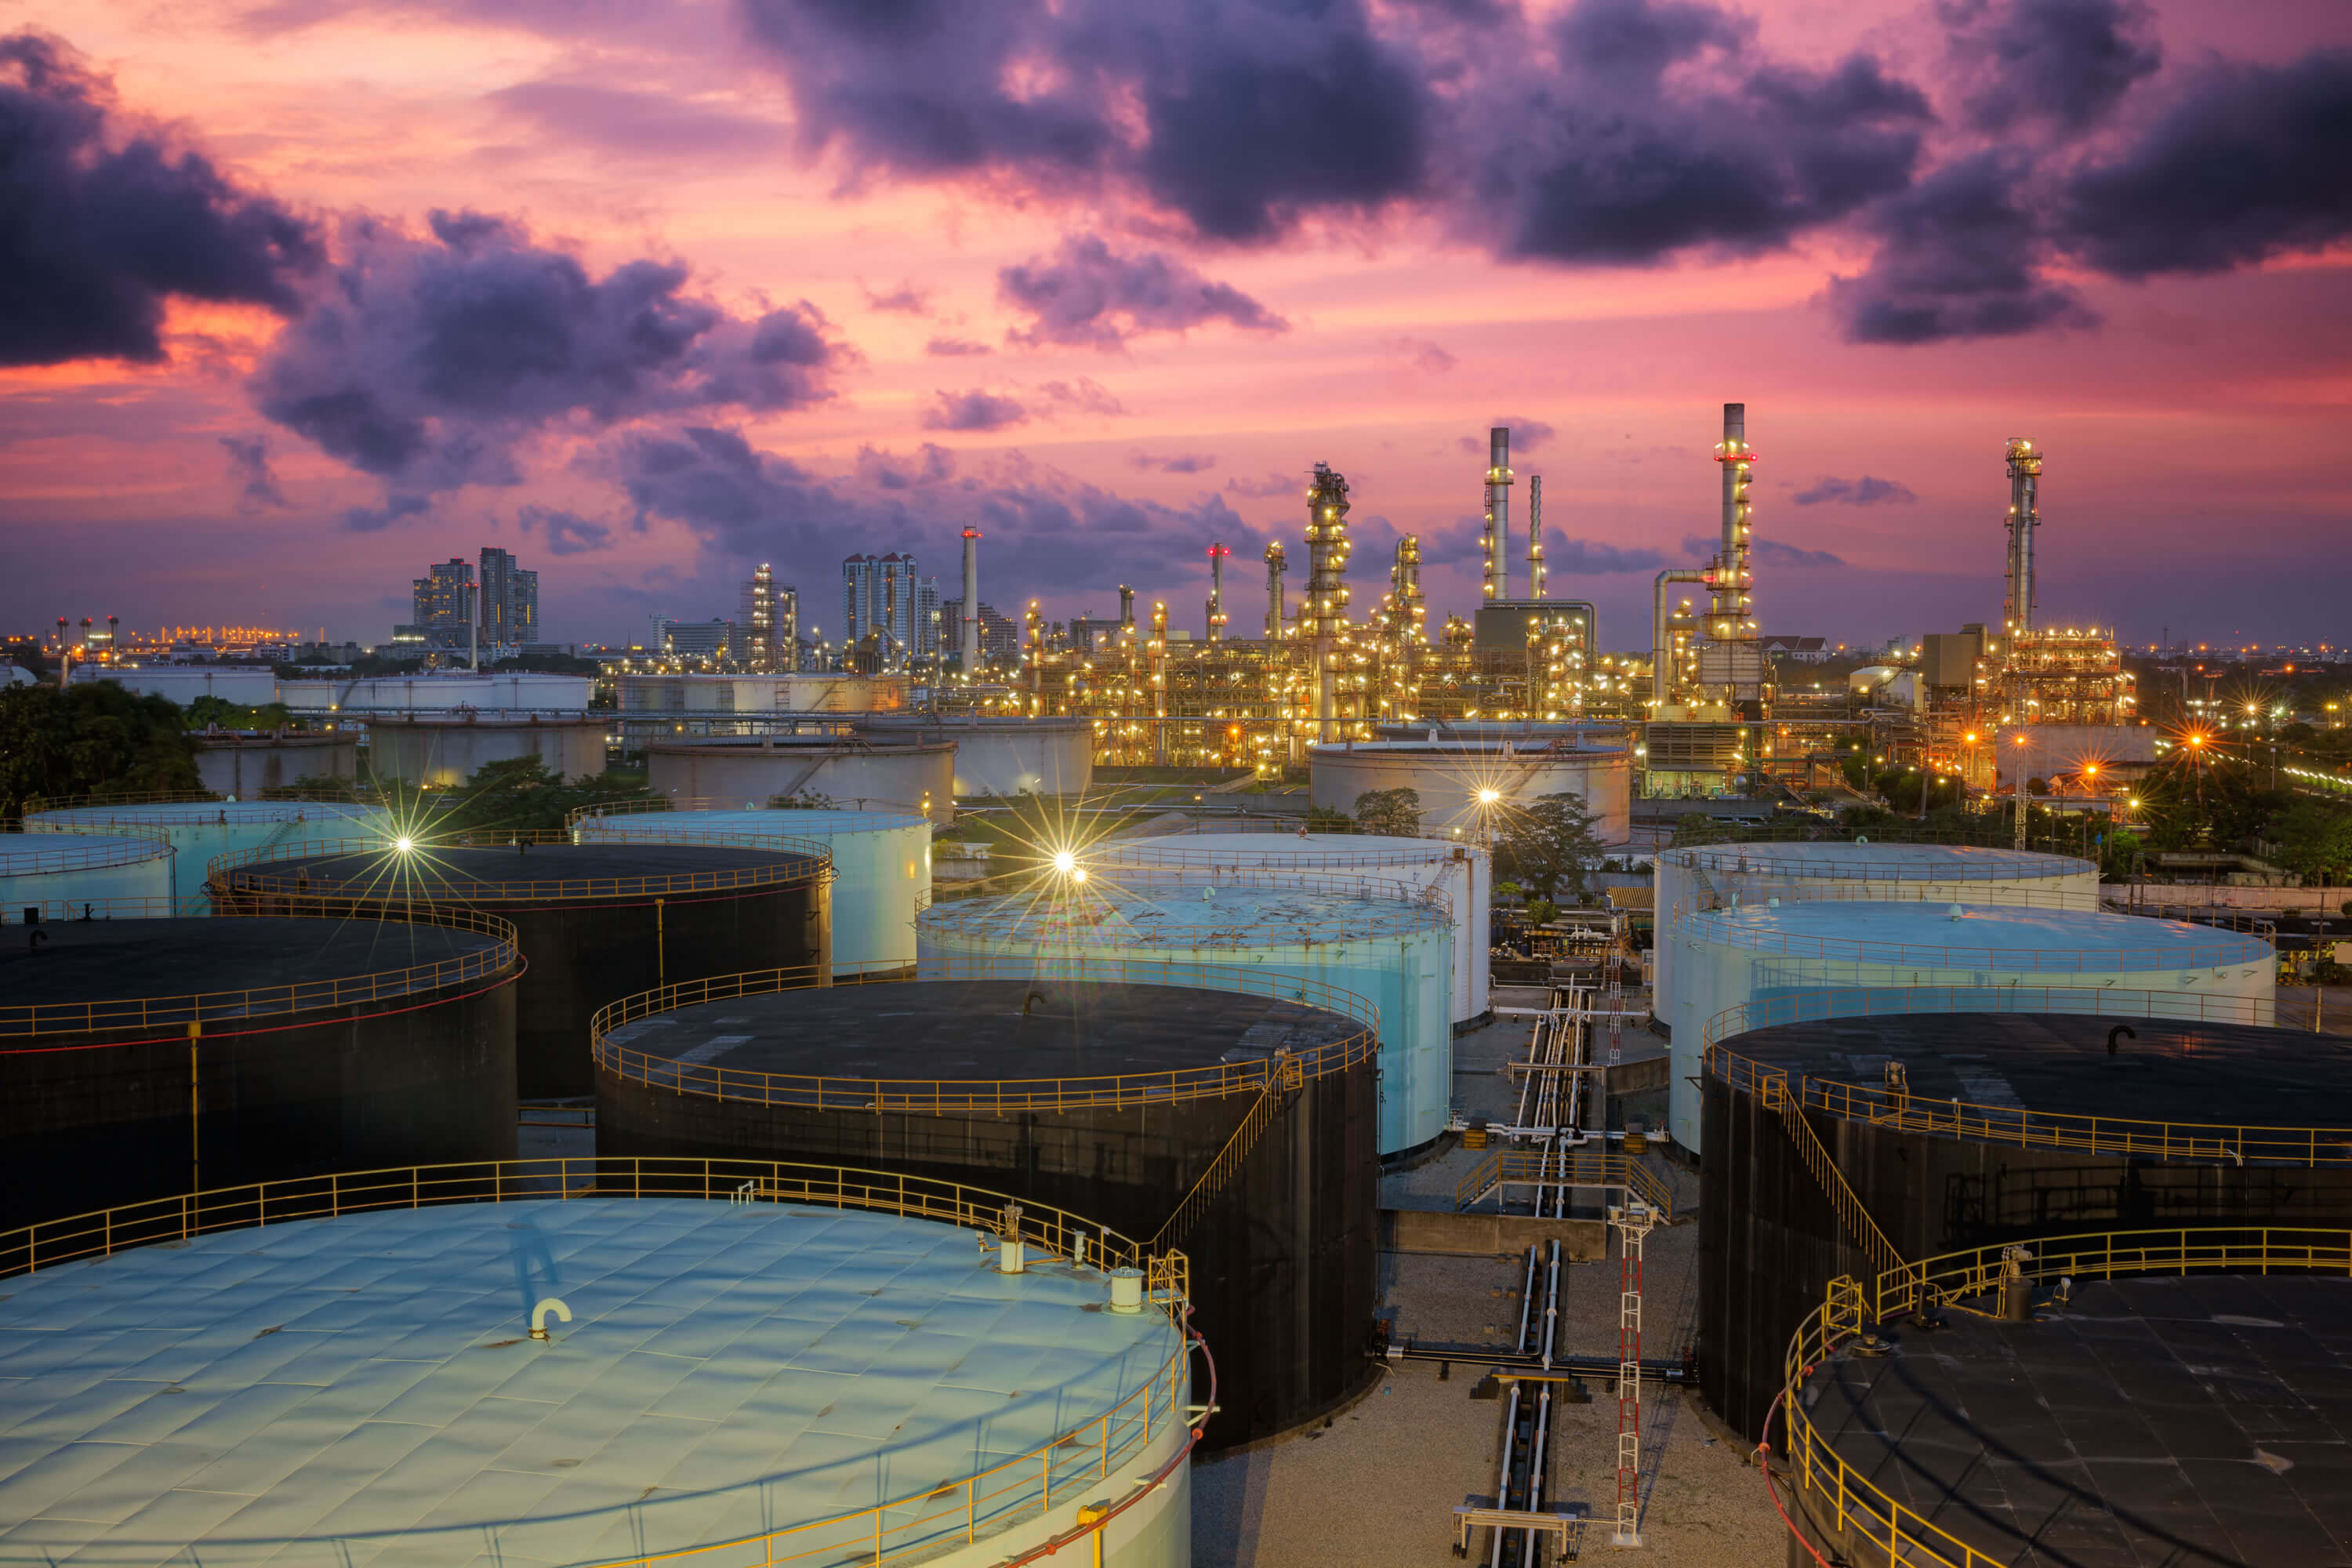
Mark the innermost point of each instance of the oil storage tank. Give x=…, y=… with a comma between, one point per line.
x=1981, y=1128
x=798, y=1367
x=595, y=922
x=244, y=763
x=142, y=1055
x=1355, y=937
x=1004, y=757
x=1468, y=788
x=1727, y=957
x=881, y=865
x=58, y=872
x=863, y=773
x=442, y=751
x=1236, y=1125
x=1463, y=872
x=200, y=831
x=1698, y=878
x=2107, y=1402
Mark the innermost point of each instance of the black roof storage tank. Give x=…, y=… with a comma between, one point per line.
x=142, y=1055
x=1937, y=1131
x=596, y=922
x=1236, y=1125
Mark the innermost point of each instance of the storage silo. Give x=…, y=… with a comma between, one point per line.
x=1730, y=957
x=1236, y=1123
x=1003, y=756
x=442, y=752
x=139, y=1054
x=1357, y=938
x=58, y=872
x=242, y=763
x=881, y=865
x=1983, y=1128
x=2107, y=1402
x=200, y=831
x=794, y=1366
x=1463, y=872
x=595, y=922
x=864, y=772
x=1468, y=788
x=1695, y=879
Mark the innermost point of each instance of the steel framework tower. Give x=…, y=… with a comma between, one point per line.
x=1276, y=565
x=2024, y=517
x=1216, y=614
x=1327, y=587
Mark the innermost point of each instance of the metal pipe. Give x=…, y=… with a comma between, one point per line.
x=1661, y=654
x=1503, y=1481
x=1535, y=538
x=1498, y=539
x=972, y=603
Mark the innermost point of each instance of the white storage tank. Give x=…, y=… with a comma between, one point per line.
x=1706, y=877
x=1468, y=788
x=445, y=752
x=861, y=773
x=1144, y=927
x=506, y=690
x=789, y=1365
x=1006, y=756
x=199, y=830
x=243, y=763
x=1463, y=873
x=246, y=685
x=881, y=862
x=1952, y=957
x=59, y=872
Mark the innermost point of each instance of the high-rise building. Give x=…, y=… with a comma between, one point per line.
x=926, y=618
x=510, y=601
x=999, y=637
x=439, y=605
x=759, y=618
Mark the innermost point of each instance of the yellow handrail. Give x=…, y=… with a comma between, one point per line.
x=1072, y=1464
x=1278, y=1093
x=1852, y=1212
x=1849, y=1499
x=1577, y=1168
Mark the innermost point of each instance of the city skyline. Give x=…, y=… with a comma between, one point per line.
x=1108, y=368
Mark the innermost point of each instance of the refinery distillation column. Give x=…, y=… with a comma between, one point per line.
x=1217, y=553
x=971, y=603
x=1276, y=565
x=1535, y=538
x=1326, y=589
x=2024, y=517
x=1498, y=539
x=1732, y=660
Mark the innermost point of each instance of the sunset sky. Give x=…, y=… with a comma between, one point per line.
x=298, y=296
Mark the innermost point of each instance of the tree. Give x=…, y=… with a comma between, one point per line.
x=90, y=739
x=1390, y=813
x=519, y=794
x=1549, y=841
x=206, y=711
x=2314, y=839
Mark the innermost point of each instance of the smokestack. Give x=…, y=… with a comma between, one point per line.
x=1731, y=610
x=1217, y=553
x=1535, y=538
x=971, y=603
x=1127, y=612
x=2024, y=517
x=1274, y=610
x=1498, y=512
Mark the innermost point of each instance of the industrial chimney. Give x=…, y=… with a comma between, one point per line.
x=970, y=604
x=1217, y=553
x=1276, y=565
x=1497, y=540
x=2024, y=517
x=1535, y=538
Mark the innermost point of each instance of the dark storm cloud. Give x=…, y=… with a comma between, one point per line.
x=1960, y=255
x=2066, y=61
x=1527, y=434
x=103, y=220
x=2249, y=162
x=1239, y=114
x=566, y=533
x=1766, y=552
x=1087, y=293
x=249, y=470
x=931, y=465
x=974, y=410
x=426, y=360
x=1862, y=492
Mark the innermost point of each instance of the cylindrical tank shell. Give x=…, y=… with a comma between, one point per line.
x=595, y=922
x=445, y=752
x=881, y=864
x=1705, y=876
x=241, y=767
x=1731, y=957
x=917, y=775
x=58, y=872
x=201, y=831
x=246, y=685
x=1999, y=1126
x=497, y=691
x=1463, y=873
x=351, y=1370
x=140, y=1056
x=1005, y=757
x=1127, y=1095
x=1398, y=954
x=1450, y=776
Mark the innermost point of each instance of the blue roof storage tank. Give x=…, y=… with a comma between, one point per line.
x=59, y=872
x=853, y=1379
x=1153, y=926
x=1947, y=958
x=198, y=831
x=881, y=863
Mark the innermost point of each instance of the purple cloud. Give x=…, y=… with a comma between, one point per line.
x=1088, y=294
x=974, y=410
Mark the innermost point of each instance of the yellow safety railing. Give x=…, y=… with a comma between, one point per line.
x=1769, y=859
x=119, y=797
x=1280, y=1087
x=587, y=815
x=1847, y=1499
x=1118, y=905
x=29, y=852
x=1073, y=1464
x=495, y=959
x=1852, y=1213
x=1576, y=1168
x=2122, y=1136
x=1717, y=926
x=388, y=873
x=1092, y=1091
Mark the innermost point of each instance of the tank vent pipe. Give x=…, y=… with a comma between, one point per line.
x=539, y=1316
